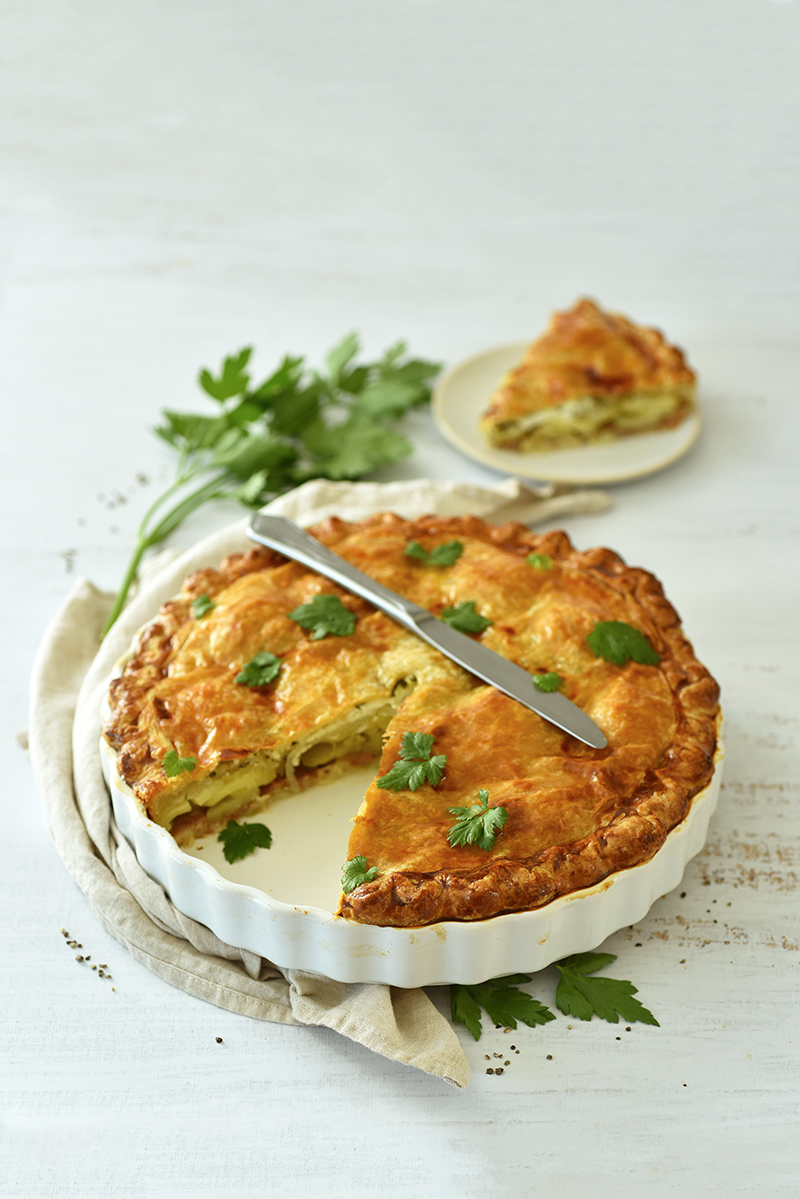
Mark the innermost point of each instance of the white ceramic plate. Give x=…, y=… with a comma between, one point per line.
x=463, y=393
x=278, y=902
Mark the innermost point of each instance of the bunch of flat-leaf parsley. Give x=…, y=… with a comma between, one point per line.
x=296, y=425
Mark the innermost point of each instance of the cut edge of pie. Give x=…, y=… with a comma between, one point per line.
x=405, y=685
x=592, y=377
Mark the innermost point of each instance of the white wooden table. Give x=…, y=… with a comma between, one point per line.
x=176, y=182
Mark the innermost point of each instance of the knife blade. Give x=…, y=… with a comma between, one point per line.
x=282, y=534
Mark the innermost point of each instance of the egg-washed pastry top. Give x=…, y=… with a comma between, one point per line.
x=574, y=814
x=592, y=376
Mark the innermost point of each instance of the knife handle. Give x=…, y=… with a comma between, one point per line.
x=282, y=534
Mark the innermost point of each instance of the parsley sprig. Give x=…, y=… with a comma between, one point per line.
x=577, y=994
x=415, y=765
x=441, y=555
x=551, y=681
x=173, y=764
x=298, y=424
x=262, y=669
x=325, y=614
x=355, y=872
x=618, y=642
x=239, y=840
x=502, y=1000
x=464, y=618
x=477, y=824
x=540, y=561
x=202, y=605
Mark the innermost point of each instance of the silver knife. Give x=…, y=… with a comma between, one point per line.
x=282, y=534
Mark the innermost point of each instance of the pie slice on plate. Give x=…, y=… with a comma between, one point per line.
x=593, y=376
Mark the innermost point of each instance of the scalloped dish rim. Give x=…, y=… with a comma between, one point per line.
x=309, y=938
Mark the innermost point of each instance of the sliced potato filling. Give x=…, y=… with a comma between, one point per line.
x=234, y=786
x=588, y=418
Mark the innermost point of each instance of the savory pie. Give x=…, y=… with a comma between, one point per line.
x=592, y=376
x=199, y=744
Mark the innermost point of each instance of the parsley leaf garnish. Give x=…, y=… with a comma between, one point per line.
x=547, y=682
x=464, y=618
x=232, y=379
x=478, y=824
x=338, y=422
x=540, y=561
x=356, y=447
x=355, y=872
x=202, y=606
x=441, y=555
x=239, y=840
x=415, y=765
x=414, y=549
x=260, y=670
x=325, y=614
x=340, y=357
x=174, y=765
x=618, y=642
x=504, y=1003
x=609, y=998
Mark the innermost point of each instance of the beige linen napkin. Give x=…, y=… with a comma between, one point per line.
x=70, y=679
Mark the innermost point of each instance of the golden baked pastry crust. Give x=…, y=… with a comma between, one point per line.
x=638, y=382
x=575, y=814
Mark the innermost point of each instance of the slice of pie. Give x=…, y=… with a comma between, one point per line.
x=592, y=376
x=201, y=735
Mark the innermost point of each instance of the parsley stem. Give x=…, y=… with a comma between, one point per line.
x=146, y=539
x=209, y=491
x=180, y=480
x=125, y=586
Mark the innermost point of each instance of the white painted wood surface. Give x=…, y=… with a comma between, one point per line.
x=176, y=181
